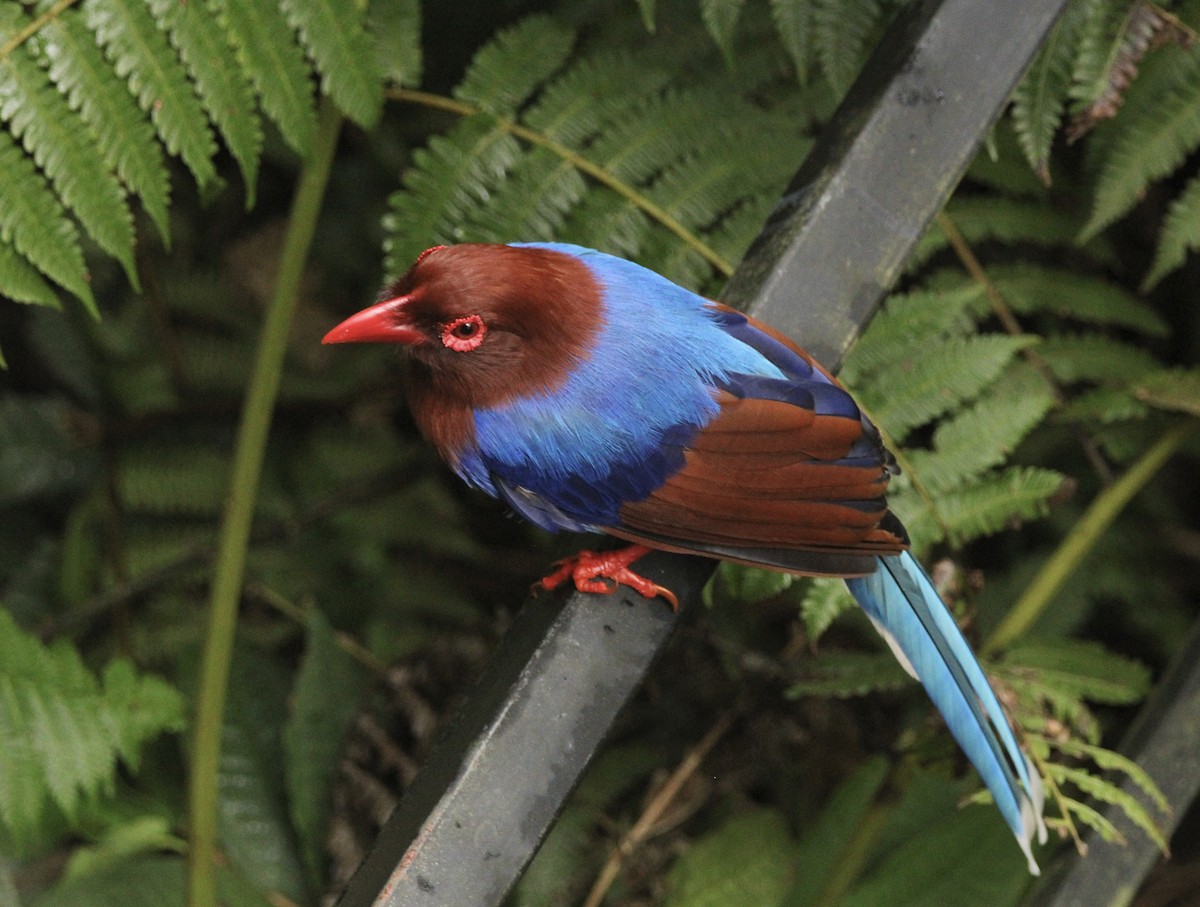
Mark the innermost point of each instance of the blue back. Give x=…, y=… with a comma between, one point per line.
x=615, y=430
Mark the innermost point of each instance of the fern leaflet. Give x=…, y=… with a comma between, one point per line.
x=220, y=83
x=33, y=221
x=41, y=118
x=1180, y=234
x=276, y=67
x=124, y=137
x=141, y=54
x=333, y=33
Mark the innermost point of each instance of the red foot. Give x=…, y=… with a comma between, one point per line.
x=593, y=572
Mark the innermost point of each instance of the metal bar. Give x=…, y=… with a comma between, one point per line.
x=474, y=817
x=1165, y=741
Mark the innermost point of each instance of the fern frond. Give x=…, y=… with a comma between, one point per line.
x=593, y=95
x=1095, y=358
x=846, y=674
x=906, y=327
x=507, y=71
x=927, y=387
x=1075, y=668
x=1103, y=405
x=794, y=23
x=1108, y=760
x=1041, y=97
x=141, y=54
x=222, y=87
x=396, y=29
x=1157, y=133
x=983, y=219
x=720, y=17
x=1097, y=46
x=33, y=221
x=1180, y=234
x=821, y=605
x=125, y=138
x=451, y=176
x=1030, y=289
x=531, y=202
x=841, y=30
x=276, y=67
x=984, y=435
x=42, y=120
x=991, y=503
x=21, y=282
x=1173, y=389
x=1107, y=792
x=64, y=730
x=333, y=33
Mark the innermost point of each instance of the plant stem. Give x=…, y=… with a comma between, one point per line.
x=234, y=537
x=1083, y=538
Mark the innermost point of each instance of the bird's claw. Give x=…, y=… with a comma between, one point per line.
x=602, y=572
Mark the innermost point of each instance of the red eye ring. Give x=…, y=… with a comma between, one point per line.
x=464, y=334
x=421, y=257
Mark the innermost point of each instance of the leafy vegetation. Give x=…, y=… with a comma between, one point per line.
x=182, y=215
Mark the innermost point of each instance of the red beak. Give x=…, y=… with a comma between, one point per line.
x=381, y=323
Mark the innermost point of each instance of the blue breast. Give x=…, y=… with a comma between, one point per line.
x=617, y=427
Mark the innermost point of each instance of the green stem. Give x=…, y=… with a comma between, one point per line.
x=239, y=513
x=1083, y=538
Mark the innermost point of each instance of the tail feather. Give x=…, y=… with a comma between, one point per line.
x=904, y=606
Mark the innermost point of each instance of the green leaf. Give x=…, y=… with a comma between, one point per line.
x=1173, y=389
x=932, y=385
x=275, y=65
x=991, y=503
x=1030, y=290
x=511, y=66
x=822, y=603
x=173, y=479
x=846, y=674
x=41, y=118
x=1096, y=358
x=396, y=29
x=326, y=698
x=64, y=730
x=125, y=138
x=964, y=857
x=1084, y=670
x=747, y=860
x=1107, y=792
x=841, y=30
x=793, y=21
x=1180, y=234
x=984, y=434
x=720, y=17
x=33, y=221
x=255, y=829
x=1108, y=760
x=1041, y=96
x=333, y=33
x=221, y=84
x=141, y=54
x=20, y=281
x=827, y=845
x=1157, y=132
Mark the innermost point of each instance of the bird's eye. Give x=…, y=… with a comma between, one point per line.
x=463, y=334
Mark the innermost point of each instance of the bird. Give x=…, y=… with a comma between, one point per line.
x=591, y=394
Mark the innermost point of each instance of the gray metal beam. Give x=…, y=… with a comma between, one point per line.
x=474, y=817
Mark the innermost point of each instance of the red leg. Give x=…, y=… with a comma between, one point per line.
x=590, y=570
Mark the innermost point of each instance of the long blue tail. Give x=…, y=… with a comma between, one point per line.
x=906, y=609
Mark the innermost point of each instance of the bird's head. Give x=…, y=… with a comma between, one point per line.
x=484, y=323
